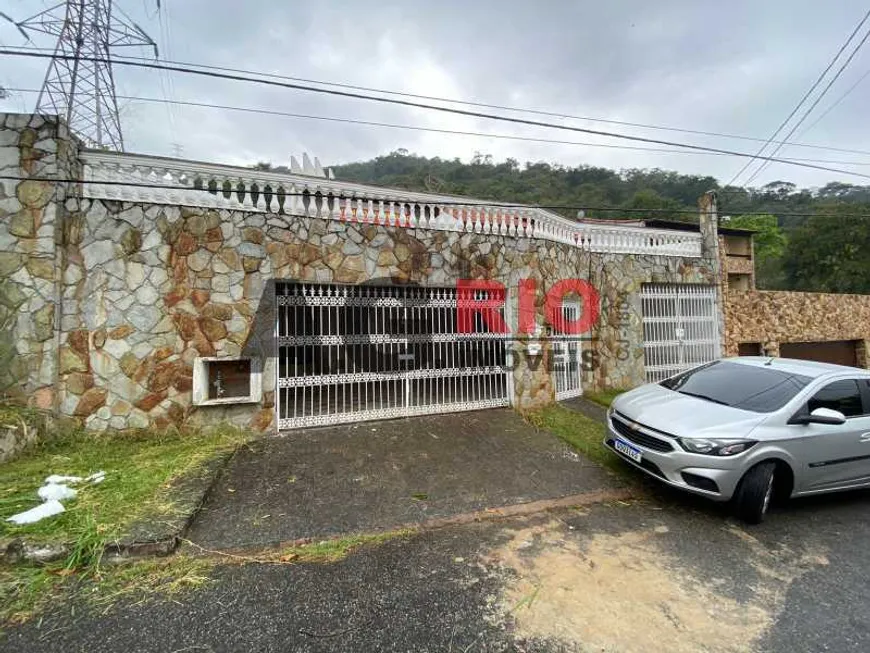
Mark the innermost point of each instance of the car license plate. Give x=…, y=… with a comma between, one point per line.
x=624, y=448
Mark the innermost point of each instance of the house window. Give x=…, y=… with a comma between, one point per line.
x=226, y=381
x=750, y=349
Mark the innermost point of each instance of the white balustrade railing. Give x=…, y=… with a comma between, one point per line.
x=155, y=180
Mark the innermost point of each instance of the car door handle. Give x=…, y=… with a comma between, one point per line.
x=865, y=437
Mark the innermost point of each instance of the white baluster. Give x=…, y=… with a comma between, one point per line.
x=529, y=227
x=293, y=203
x=218, y=197
x=311, y=211
x=486, y=220
x=247, y=200
x=315, y=208
x=261, y=195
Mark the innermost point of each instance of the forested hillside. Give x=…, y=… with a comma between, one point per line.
x=830, y=253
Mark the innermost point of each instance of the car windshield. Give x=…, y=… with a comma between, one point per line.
x=759, y=389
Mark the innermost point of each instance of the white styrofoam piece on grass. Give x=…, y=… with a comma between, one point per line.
x=98, y=477
x=41, y=511
x=56, y=492
x=54, y=478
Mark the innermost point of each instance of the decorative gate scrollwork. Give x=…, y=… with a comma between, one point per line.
x=354, y=353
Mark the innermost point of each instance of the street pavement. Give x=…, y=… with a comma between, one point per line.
x=668, y=572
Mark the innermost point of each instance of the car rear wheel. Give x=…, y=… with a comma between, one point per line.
x=754, y=494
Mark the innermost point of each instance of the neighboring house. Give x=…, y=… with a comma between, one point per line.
x=826, y=327
x=146, y=291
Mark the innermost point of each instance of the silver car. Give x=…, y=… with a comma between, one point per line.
x=749, y=429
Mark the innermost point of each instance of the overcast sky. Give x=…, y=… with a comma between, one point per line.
x=736, y=67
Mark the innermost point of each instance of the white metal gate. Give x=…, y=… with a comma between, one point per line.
x=680, y=328
x=353, y=353
x=566, y=357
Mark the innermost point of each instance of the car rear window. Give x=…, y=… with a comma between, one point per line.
x=759, y=389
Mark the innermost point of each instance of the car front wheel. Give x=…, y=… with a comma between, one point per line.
x=754, y=494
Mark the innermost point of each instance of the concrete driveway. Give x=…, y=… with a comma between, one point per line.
x=381, y=475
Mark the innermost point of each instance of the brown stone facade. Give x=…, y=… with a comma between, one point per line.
x=201, y=283
x=770, y=319
x=137, y=292
x=775, y=317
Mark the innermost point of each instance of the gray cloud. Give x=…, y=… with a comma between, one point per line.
x=737, y=68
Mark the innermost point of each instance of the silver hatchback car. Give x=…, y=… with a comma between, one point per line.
x=749, y=429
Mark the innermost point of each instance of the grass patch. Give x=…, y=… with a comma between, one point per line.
x=28, y=590
x=334, y=550
x=603, y=397
x=582, y=433
x=313, y=552
x=140, y=468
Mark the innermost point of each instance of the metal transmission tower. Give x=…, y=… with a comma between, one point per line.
x=79, y=84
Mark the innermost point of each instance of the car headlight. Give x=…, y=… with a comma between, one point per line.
x=714, y=446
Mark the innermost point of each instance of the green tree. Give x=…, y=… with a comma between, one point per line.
x=828, y=253
x=659, y=207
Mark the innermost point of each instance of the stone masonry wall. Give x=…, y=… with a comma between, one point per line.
x=31, y=211
x=148, y=289
x=774, y=317
x=110, y=304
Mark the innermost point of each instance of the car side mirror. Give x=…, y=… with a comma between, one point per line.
x=826, y=416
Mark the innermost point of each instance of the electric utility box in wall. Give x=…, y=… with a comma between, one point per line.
x=226, y=381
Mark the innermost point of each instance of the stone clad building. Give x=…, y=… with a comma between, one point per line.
x=827, y=327
x=143, y=291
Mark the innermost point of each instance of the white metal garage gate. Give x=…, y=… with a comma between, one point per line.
x=354, y=353
x=680, y=328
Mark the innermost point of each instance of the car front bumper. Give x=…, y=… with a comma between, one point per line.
x=675, y=467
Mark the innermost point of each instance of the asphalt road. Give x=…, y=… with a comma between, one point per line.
x=669, y=573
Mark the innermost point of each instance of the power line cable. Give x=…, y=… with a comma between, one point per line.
x=818, y=99
x=372, y=123
x=417, y=105
x=479, y=104
x=803, y=99
x=439, y=202
x=834, y=105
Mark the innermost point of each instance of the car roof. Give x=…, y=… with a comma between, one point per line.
x=812, y=369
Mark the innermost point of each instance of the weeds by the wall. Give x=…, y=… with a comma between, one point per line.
x=140, y=467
